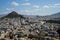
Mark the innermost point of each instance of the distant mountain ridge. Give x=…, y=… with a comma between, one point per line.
x=56, y=15
x=14, y=14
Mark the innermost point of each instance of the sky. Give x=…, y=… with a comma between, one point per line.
x=30, y=7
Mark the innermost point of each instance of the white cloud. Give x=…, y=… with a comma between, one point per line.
x=36, y=6
x=25, y=11
x=45, y=6
x=26, y=4
x=37, y=9
x=9, y=9
x=15, y=3
x=57, y=5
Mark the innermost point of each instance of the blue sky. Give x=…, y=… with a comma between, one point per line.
x=30, y=7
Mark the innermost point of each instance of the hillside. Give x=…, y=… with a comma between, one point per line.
x=13, y=14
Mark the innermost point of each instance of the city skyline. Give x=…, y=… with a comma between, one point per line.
x=30, y=7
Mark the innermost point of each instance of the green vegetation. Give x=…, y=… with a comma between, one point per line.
x=53, y=21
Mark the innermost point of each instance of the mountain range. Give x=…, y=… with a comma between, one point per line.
x=15, y=14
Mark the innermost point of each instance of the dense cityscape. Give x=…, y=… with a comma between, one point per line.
x=17, y=27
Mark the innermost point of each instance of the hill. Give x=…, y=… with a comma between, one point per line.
x=13, y=14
